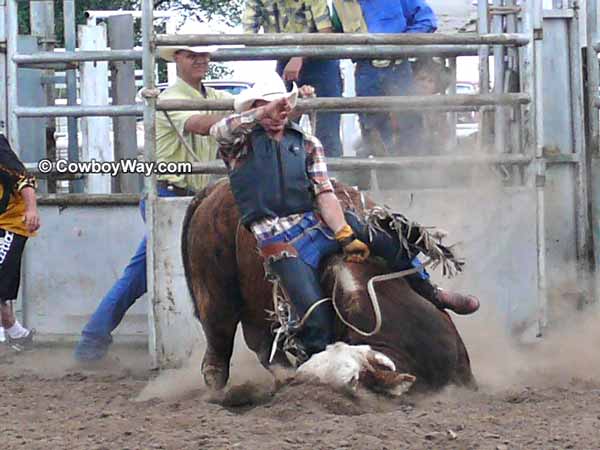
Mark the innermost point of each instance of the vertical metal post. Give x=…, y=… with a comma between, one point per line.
x=499, y=68
x=484, y=69
x=42, y=26
x=592, y=75
x=452, y=91
x=148, y=61
x=593, y=154
x=537, y=26
x=514, y=115
x=581, y=184
x=71, y=80
x=122, y=76
x=3, y=99
x=11, y=74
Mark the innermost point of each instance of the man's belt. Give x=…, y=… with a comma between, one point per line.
x=383, y=63
x=178, y=191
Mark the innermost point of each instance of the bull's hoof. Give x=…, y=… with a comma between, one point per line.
x=215, y=377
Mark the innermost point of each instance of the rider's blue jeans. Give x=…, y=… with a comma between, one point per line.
x=300, y=275
x=96, y=335
x=324, y=76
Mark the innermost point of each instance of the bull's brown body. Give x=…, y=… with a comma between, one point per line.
x=227, y=281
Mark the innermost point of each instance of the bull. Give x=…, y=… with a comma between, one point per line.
x=416, y=343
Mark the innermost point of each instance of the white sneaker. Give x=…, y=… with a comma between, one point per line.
x=2, y=335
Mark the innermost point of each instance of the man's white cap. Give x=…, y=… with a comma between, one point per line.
x=168, y=53
x=268, y=89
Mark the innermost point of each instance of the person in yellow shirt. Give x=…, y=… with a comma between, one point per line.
x=19, y=220
x=171, y=127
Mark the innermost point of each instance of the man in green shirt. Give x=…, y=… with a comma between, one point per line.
x=193, y=127
x=190, y=125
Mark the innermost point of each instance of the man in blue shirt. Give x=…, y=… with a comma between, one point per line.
x=386, y=134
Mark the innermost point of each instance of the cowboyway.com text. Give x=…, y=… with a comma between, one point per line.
x=114, y=168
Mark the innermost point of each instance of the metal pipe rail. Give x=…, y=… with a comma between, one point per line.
x=79, y=111
x=358, y=104
x=78, y=56
x=348, y=163
x=254, y=54
x=32, y=168
x=88, y=199
x=341, y=104
x=344, y=39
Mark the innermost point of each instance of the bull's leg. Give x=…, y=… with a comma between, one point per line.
x=219, y=322
x=219, y=348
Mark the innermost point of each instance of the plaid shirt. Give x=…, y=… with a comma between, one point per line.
x=286, y=16
x=232, y=135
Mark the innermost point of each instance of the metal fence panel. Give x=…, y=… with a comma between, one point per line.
x=561, y=180
x=79, y=253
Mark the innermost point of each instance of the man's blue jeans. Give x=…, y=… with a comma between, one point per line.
x=324, y=76
x=96, y=335
x=395, y=80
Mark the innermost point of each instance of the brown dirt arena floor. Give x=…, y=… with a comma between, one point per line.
x=541, y=396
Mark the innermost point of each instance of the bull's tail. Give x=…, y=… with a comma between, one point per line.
x=191, y=209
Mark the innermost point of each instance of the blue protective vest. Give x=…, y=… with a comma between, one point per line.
x=272, y=180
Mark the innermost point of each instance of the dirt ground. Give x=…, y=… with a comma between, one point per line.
x=544, y=395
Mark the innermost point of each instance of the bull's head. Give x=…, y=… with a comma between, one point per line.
x=346, y=366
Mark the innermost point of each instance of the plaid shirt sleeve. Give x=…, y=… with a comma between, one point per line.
x=251, y=18
x=316, y=166
x=230, y=133
x=320, y=13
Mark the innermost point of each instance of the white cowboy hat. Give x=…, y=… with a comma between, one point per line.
x=168, y=53
x=269, y=89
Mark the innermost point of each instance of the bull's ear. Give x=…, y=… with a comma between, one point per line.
x=380, y=361
x=388, y=382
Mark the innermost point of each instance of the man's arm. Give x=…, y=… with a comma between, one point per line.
x=252, y=16
x=231, y=129
x=320, y=14
x=31, y=217
x=420, y=17
x=331, y=211
x=201, y=123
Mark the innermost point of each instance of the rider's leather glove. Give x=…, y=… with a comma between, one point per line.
x=355, y=250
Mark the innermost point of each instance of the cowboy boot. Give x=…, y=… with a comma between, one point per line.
x=459, y=303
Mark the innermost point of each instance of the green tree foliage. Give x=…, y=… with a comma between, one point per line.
x=224, y=12
x=228, y=12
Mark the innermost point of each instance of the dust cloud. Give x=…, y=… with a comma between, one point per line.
x=245, y=372
x=491, y=214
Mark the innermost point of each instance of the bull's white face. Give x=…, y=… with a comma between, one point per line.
x=340, y=366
